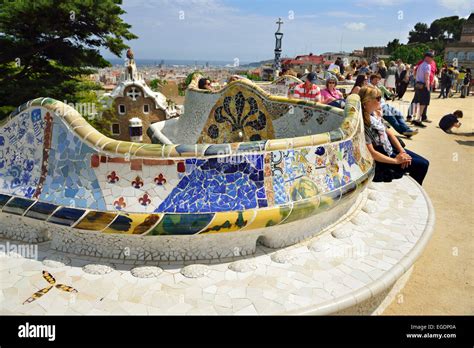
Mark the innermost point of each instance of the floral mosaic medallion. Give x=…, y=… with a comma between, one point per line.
x=52, y=283
x=238, y=116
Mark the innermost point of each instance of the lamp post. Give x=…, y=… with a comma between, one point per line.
x=278, y=37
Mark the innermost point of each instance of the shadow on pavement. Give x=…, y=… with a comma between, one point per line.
x=466, y=142
x=467, y=134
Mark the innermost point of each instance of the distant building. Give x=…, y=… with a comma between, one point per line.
x=332, y=56
x=379, y=51
x=301, y=64
x=132, y=98
x=462, y=51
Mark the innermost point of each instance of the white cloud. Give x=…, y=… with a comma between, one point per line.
x=308, y=16
x=457, y=5
x=356, y=26
x=370, y=4
x=344, y=14
x=217, y=31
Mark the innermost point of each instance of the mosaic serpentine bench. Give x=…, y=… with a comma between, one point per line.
x=62, y=180
x=243, y=111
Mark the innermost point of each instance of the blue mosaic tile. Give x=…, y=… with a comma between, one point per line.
x=21, y=143
x=66, y=216
x=4, y=199
x=347, y=148
x=41, y=210
x=219, y=149
x=252, y=146
x=215, y=185
x=70, y=180
x=17, y=206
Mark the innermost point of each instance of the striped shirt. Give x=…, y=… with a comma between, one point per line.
x=312, y=94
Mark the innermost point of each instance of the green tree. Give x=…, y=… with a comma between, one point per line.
x=393, y=45
x=410, y=54
x=446, y=28
x=419, y=34
x=156, y=84
x=253, y=77
x=89, y=102
x=47, y=45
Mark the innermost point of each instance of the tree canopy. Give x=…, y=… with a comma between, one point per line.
x=393, y=45
x=47, y=45
x=410, y=53
x=426, y=37
x=420, y=33
x=442, y=29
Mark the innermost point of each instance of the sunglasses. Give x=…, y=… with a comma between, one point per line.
x=331, y=83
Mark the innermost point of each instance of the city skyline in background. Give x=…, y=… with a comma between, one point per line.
x=226, y=30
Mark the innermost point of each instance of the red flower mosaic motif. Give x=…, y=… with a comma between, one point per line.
x=181, y=167
x=160, y=180
x=112, y=178
x=95, y=161
x=144, y=200
x=137, y=183
x=119, y=204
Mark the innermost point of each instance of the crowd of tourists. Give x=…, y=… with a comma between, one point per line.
x=376, y=83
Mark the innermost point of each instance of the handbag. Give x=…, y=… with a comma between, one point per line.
x=419, y=85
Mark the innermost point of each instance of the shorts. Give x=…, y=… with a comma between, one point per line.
x=422, y=96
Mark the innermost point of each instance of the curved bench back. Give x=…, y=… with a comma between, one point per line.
x=57, y=169
x=243, y=111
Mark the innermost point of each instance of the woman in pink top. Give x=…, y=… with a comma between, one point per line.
x=331, y=96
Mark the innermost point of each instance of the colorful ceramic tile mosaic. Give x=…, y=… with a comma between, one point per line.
x=56, y=169
x=219, y=184
x=239, y=115
x=70, y=180
x=21, y=145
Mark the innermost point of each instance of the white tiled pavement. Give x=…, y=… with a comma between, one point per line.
x=346, y=265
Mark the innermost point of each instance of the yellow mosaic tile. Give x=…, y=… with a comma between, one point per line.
x=229, y=221
x=150, y=151
x=276, y=144
x=302, y=141
x=96, y=221
x=319, y=139
x=303, y=209
x=133, y=223
x=268, y=217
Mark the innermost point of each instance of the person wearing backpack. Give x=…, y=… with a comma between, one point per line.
x=466, y=83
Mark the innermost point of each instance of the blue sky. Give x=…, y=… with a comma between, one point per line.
x=244, y=29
